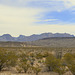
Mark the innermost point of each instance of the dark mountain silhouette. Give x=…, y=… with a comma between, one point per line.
x=22, y=38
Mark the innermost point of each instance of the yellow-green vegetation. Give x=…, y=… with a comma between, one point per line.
x=37, y=60
x=70, y=62
x=36, y=69
x=7, y=58
x=52, y=63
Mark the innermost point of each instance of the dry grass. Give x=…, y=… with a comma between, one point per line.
x=50, y=73
x=9, y=73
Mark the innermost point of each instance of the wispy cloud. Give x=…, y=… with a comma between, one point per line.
x=17, y=15
x=36, y=16
x=15, y=20
x=63, y=10
x=50, y=20
x=69, y=3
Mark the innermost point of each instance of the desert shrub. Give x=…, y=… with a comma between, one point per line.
x=56, y=65
x=61, y=69
x=11, y=59
x=72, y=68
x=32, y=55
x=19, y=70
x=23, y=63
x=7, y=58
x=70, y=61
x=3, y=58
x=39, y=56
x=36, y=69
x=23, y=66
x=45, y=54
x=51, y=62
x=69, y=58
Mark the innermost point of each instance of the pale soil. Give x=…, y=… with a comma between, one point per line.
x=51, y=73
x=9, y=73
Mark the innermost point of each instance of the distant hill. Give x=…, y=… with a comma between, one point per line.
x=46, y=42
x=13, y=44
x=23, y=38
x=55, y=42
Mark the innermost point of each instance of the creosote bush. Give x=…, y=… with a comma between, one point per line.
x=3, y=59
x=70, y=61
x=36, y=69
x=55, y=65
x=26, y=60
x=7, y=59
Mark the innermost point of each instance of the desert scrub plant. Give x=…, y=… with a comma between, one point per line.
x=39, y=56
x=61, y=69
x=51, y=62
x=24, y=66
x=11, y=59
x=72, y=68
x=3, y=58
x=55, y=65
x=70, y=61
x=19, y=70
x=32, y=55
x=23, y=63
x=36, y=69
x=45, y=54
x=69, y=58
x=7, y=58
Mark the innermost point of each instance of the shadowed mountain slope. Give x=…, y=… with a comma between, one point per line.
x=22, y=38
x=55, y=42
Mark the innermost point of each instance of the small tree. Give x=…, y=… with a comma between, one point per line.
x=55, y=65
x=61, y=69
x=70, y=61
x=72, y=68
x=51, y=62
x=36, y=69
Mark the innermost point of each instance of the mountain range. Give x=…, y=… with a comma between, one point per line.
x=54, y=42
x=23, y=38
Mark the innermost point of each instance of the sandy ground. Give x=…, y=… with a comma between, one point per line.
x=51, y=73
x=9, y=73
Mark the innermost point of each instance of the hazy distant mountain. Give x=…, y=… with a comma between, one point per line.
x=54, y=42
x=46, y=42
x=7, y=37
x=22, y=38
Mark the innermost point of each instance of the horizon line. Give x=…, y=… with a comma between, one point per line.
x=38, y=34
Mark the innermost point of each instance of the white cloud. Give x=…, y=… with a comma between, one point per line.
x=16, y=20
x=11, y=15
x=51, y=20
x=48, y=5
x=69, y=3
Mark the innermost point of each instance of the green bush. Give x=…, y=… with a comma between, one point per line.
x=70, y=61
x=36, y=69
x=3, y=59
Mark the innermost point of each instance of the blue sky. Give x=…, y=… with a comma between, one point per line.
x=29, y=17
